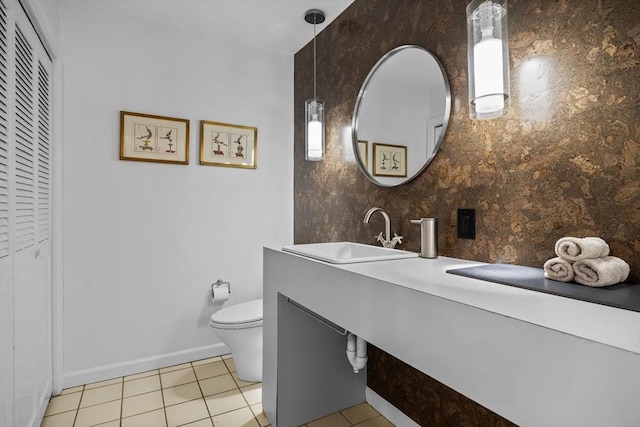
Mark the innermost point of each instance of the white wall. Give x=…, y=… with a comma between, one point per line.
x=44, y=16
x=143, y=241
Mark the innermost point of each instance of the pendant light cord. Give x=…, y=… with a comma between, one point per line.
x=314, y=58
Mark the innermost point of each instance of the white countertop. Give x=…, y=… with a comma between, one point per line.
x=603, y=324
x=509, y=349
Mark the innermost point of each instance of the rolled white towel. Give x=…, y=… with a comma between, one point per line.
x=599, y=272
x=558, y=269
x=575, y=248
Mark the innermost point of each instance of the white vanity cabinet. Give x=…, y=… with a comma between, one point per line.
x=533, y=358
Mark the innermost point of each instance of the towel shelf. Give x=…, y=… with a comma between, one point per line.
x=623, y=295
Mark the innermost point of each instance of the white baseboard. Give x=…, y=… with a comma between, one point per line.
x=389, y=411
x=106, y=372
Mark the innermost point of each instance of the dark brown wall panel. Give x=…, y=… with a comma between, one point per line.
x=564, y=161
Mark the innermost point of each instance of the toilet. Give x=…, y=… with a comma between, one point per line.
x=240, y=327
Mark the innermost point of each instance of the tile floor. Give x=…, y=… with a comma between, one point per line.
x=205, y=393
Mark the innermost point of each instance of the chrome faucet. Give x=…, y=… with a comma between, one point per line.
x=386, y=242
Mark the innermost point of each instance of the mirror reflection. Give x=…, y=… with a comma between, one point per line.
x=401, y=115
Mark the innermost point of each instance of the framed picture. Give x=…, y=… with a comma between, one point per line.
x=148, y=138
x=363, y=151
x=223, y=144
x=389, y=160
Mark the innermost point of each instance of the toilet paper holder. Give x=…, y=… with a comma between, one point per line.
x=218, y=284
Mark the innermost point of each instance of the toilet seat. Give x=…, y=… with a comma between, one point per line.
x=239, y=316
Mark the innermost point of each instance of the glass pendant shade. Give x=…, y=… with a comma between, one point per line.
x=314, y=129
x=488, y=59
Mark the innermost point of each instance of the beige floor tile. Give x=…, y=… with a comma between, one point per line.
x=259, y=413
x=359, y=413
x=64, y=419
x=103, y=383
x=99, y=395
x=230, y=401
x=225, y=402
x=238, y=381
x=227, y=356
x=231, y=365
x=217, y=385
x=63, y=403
x=148, y=419
x=187, y=412
x=174, y=378
x=182, y=393
x=211, y=370
x=71, y=390
x=175, y=367
x=334, y=420
x=205, y=361
x=240, y=417
x=202, y=423
x=141, y=375
x=252, y=393
x=142, y=403
x=376, y=422
x=141, y=385
x=98, y=414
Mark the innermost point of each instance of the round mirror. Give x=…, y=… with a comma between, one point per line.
x=401, y=115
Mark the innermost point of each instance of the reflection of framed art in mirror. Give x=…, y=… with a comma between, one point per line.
x=389, y=160
x=363, y=152
x=434, y=130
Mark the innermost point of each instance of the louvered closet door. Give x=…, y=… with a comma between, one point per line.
x=32, y=252
x=43, y=257
x=6, y=250
x=27, y=129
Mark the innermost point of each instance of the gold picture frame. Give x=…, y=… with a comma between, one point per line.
x=224, y=144
x=363, y=152
x=389, y=160
x=151, y=138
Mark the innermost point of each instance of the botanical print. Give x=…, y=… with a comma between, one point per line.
x=223, y=144
x=145, y=138
x=240, y=145
x=167, y=140
x=389, y=160
x=155, y=139
x=219, y=144
x=149, y=138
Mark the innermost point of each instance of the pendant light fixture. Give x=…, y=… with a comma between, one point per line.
x=314, y=108
x=488, y=59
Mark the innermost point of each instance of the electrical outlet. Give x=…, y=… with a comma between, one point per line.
x=466, y=223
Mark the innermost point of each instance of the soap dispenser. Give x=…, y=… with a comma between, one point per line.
x=428, y=237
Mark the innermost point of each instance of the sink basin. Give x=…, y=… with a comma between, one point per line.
x=347, y=252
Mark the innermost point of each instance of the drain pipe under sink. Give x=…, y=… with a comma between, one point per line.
x=356, y=352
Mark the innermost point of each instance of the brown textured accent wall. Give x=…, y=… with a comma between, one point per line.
x=565, y=160
x=423, y=399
